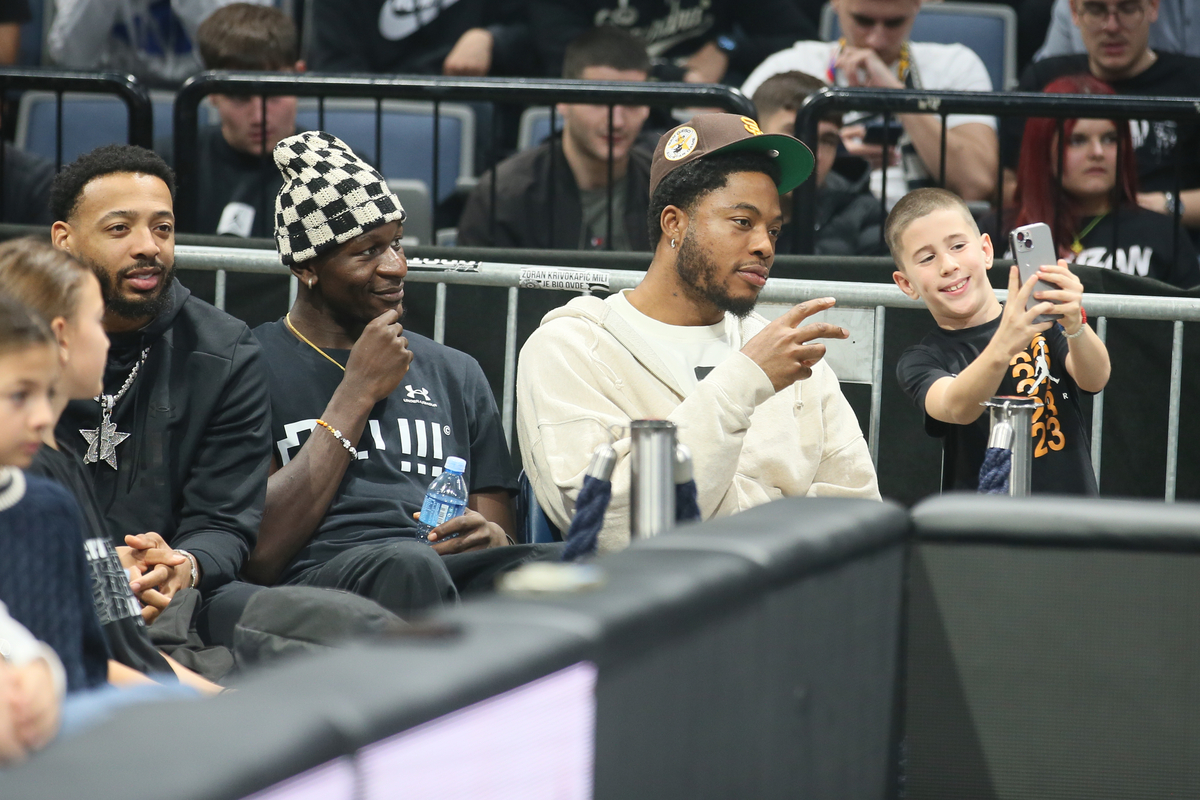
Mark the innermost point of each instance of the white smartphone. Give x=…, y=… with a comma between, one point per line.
x=1033, y=248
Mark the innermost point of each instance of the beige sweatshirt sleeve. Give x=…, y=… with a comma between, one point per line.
x=575, y=385
x=845, y=469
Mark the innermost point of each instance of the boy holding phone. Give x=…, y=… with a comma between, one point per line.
x=982, y=348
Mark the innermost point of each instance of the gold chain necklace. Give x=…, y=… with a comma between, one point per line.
x=1077, y=245
x=288, y=319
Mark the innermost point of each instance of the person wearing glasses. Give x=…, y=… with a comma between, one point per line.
x=1174, y=30
x=1117, y=38
x=1090, y=203
x=875, y=52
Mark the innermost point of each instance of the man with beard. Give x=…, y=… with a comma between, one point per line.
x=178, y=444
x=761, y=412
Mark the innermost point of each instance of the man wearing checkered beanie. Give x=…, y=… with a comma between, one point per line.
x=363, y=413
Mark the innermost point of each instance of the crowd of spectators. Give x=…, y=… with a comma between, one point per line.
x=1138, y=47
x=177, y=466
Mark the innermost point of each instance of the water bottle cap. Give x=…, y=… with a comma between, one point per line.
x=456, y=464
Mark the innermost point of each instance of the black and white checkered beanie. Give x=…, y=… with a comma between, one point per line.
x=329, y=196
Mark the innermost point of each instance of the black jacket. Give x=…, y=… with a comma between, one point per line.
x=26, y=190
x=539, y=207
x=195, y=466
x=849, y=218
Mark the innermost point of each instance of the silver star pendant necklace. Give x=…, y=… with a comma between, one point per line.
x=103, y=441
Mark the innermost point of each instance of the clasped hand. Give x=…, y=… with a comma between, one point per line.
x=157, y=572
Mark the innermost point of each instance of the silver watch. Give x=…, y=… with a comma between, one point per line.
x=1172, y=203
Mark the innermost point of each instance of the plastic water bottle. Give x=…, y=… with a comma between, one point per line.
x=445, y=499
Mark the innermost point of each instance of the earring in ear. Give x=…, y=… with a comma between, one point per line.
x=310, y=283
x=672, y=244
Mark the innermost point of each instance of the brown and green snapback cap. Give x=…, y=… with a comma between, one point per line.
x=708, y=134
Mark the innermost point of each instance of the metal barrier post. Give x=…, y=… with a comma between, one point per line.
x=652, y=480
x=877, y=386
x=510, y=365
x=439, y=315
x=1173, y=410
x=1098, y=409
x=1017, y=413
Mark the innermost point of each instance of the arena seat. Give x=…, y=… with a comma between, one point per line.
x=988, y=29
x=406, y=138
x=418, y=211
x=1052, y=649
x=535, y=526
x=535, y=126
x=89, y=120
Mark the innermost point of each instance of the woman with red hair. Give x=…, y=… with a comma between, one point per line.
x=1092, y=207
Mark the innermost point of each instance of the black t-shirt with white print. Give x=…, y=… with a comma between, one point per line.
x=1145, y=245
x=1062, y=461
x=443, y=407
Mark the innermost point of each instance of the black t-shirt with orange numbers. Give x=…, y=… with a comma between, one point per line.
x=1062, y=461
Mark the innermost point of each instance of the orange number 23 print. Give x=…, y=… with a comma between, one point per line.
x=1031, y=368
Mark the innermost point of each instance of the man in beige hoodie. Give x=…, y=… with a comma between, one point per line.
x=761, y=412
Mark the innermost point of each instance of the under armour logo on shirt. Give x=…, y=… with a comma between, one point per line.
x=418, y=396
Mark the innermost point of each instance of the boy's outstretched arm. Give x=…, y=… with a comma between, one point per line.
x=1087, y=360
x=957, y=400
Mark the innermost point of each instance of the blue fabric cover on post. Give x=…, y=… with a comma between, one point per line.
x=993, y=475
x=687, y=508
x=590, y=506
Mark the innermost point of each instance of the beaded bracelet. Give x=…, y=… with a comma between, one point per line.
x=1082, y=325
x=338, y=435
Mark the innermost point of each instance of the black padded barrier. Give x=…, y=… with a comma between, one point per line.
x=752, y=656
x=764, y=668
x=1052, y=649
x=295, y=715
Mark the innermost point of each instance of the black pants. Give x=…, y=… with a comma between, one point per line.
x=408, y=577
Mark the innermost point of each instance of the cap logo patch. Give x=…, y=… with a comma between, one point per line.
x=681, y=144
x=751, y=127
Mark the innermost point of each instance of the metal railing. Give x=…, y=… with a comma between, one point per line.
x=435, y=90
x=140, y=119
x=59, y=81
x=891, y=102
x=874, y=297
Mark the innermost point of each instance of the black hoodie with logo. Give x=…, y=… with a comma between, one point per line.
x=194, y=468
